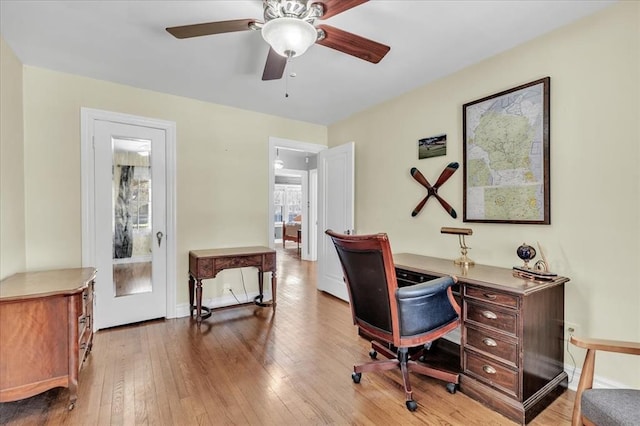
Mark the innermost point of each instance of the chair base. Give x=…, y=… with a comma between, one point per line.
x=406, y=363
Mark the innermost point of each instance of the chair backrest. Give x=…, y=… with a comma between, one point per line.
x=370, y=276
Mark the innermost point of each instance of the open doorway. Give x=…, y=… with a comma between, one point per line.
x=293, y=196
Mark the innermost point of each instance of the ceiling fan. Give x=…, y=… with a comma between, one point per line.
x=289, y=29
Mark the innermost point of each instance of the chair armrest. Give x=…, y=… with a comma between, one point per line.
x=426, y=288
x=427, y=307
x=619, y=346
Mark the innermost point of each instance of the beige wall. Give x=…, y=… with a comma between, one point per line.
x=222, y=170
x=12, y=246
x=594, y=234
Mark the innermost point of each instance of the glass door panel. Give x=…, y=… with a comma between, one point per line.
x=132, y=219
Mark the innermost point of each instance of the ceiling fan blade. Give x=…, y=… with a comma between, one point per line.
x=446, y=174
x=420, y=178
x=274, y=68
x=333, y=7
x=419, y=207
x=352, y=44
x=209, y=28
x=446, y=206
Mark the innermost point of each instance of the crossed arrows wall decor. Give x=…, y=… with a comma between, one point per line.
x=433, y=190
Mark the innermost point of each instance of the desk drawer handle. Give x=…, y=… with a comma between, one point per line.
x=490, y=296
x=489, y=342
x=489, y=315
x=488, y=369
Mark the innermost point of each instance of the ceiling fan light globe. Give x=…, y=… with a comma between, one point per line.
x=289, y=37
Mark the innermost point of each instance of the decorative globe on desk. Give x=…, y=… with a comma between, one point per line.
x=526, y=253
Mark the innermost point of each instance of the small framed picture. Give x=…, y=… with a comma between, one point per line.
x=434, y=146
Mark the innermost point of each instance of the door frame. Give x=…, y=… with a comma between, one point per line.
x=274, y=143
x=87, y=118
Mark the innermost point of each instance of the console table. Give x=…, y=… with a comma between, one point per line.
x=512, y=334
x=204, y=264
x=46, y=331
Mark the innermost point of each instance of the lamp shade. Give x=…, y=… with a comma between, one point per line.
x=289, y=37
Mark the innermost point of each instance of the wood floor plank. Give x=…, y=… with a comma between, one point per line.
x=251, y=366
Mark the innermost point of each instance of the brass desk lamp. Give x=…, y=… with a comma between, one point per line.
x=460, y=232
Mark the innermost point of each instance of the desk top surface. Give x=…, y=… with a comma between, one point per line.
x=231, y=251
x=28, y=285
x=488, y=276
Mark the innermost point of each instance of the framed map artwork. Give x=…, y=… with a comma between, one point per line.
x=506, y=156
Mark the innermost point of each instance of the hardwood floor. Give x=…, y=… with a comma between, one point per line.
x=250, y=366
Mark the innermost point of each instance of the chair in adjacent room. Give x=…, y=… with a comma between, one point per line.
x=406, y=319
x=604, y=407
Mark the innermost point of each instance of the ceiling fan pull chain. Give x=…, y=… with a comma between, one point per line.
x=286, y=78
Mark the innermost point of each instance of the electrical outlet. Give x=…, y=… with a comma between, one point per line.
x=570, y=328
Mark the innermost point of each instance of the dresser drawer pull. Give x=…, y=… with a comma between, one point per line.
x=490, y=296
x=489, y=342
x=488, y=369
x=489, y=315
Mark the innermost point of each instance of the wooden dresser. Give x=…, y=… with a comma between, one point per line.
x=46, y=331
x=512, y=334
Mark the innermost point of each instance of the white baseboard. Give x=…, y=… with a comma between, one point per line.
x=598, y=381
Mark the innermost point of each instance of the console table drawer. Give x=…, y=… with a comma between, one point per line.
x=489, y=296
x=491, y=317
x=491, y=372
x=238, y=262
x=492, y=344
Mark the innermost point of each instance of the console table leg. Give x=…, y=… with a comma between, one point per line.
x=192, y=282
x=273, y=288
x=261, y=284
x=199, y=301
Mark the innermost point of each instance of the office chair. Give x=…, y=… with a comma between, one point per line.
x=406, y=317
x=604, y=406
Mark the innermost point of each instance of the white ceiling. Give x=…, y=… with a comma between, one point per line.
x=126, y=42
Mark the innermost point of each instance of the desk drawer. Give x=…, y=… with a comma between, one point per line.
x=491, y=372
x=490, y=296
x=491, y=317
x=492, y=344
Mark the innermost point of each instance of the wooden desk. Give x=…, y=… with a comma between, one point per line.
x=512, y=334
x=204, y=264
x=46, y=331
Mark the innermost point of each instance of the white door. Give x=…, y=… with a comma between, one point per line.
x=130, y=223
x=335, y=211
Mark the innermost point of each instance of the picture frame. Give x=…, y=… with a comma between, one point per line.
x=433, y=146
x=506, y=156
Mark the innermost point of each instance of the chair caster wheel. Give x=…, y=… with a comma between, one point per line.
x=356, y=377
x=412, y=405
x=451, y=388
x=373, y=354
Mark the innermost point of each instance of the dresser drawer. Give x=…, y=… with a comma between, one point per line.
x=492, y=344
x=489, y=316
x=489, y=296
x=491, y=372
